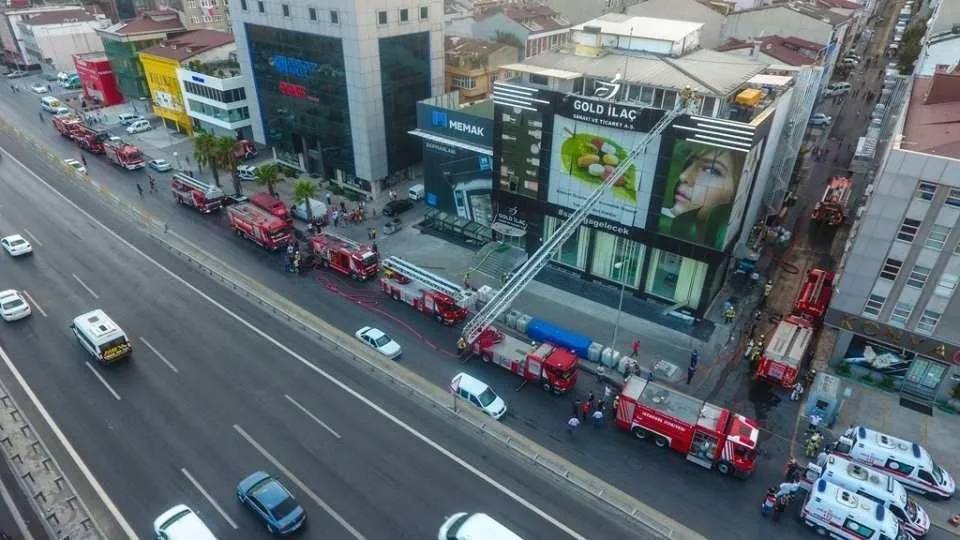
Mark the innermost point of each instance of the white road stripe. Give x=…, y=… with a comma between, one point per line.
x=84, y=285
x=303, y=487
x=156, y=352
x=333, y=380
x=33, y=237
x=209, y=499
x=312, y=416
x=71, y=451
x=35, y=303
x=15, y=512
x=102, y=380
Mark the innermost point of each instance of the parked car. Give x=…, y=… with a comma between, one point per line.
x=271, y=502
x=76, y=165
x=16, y=245
x=377, y=339
x=397, y=207
x=128, y=118
x=464, y=526
x=820, y=119
x=13, y=306
x=139, y=126
x=849, y=61
x=299, y=210
x=160, y=165
x=479, y=393
x=62, y=111
x=246, y=173
x=16, y=74
x=181, y=523
x=38, y=88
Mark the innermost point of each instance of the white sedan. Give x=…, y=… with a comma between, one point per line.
x=380, y=341
x=820, y=119
x=77, y=166
x=16, y=245
x=13, y=306
x=39, y=88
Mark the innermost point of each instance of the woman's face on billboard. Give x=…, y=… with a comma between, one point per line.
x=708, y=181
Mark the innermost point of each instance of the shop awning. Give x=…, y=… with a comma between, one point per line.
x=508, y=230
x=451, y=142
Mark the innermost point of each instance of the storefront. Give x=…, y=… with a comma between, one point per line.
x=97, y=79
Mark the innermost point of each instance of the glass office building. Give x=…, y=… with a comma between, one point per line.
x=405, y=77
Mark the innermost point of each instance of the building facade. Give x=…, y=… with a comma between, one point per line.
x=215, y=97
x=472, y=65
x=97, y=79
x=334, y=90
x=122, y=41
x=209, y=14
x=50, y=39
x=10, y=30
x=535, y=28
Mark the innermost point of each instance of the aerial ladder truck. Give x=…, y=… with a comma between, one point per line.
x=440, y=298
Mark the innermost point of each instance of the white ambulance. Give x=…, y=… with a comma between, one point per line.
x=907, y=462
x=839, y=513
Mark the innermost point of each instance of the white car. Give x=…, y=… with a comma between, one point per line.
x=464, y=526
x=13, y=306
x=139, y=126
x=181, y=523
x=820, y=119
x=77, y=166
x=379, y=340
x=39, y=88
x=479, y=393
x=16, y=245
x=299, y=210
x=160, y=165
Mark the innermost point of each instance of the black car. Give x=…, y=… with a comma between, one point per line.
x=395, y=208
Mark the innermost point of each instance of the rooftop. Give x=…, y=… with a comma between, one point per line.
x=148, y=22
x=839, y=4
x=948, y=15
x=534, y=17
x=188, y=44
x=819, y=13
x=785, y=49
x=619, y=24
x=462, y=50
x=58, y=17
x=932, y=124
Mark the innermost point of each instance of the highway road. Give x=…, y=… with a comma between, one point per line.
x=217, y=389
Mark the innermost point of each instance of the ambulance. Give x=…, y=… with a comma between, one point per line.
x=833, y=511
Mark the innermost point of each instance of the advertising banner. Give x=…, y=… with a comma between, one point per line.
x=521, y=134
x=458, y=182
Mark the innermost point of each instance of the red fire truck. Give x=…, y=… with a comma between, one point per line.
x=552, y=367
x=196, y=193
x=344, y=256
x=125, y=155
x=426, y=292
x=259, y=226
x=815, y=295
x=785, y=352
x=66, y=125
x=273, y=205
x=832, y=207
x=90, y=139
x=709, y=435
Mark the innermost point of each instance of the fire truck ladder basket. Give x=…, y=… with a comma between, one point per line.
x=431, y=280
x=540, y=258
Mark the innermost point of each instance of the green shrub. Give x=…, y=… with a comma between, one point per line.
x=844, y=369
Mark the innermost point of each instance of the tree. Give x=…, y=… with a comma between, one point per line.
x=303, y=191
x=910, y=47
x=204, y=151
x=226, y=159
x=268, y=176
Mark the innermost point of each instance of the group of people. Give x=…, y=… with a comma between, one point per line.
x=591, y=408
x=291, y=258
x=341, y=214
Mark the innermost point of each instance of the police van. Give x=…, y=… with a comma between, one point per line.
x=101, y=337
x=866, y=482
x=832, y=510
x=908, y=462
x=50, y=104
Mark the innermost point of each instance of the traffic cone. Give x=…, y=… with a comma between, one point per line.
x=955, y=520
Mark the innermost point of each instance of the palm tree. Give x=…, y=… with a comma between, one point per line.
x=204, y=151
x=268, y=176
x=226, y=159
x=303, y=191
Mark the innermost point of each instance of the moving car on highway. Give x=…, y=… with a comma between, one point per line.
x=13, y=306
x=181, y=523
x=16, y=245
x=77, y=166
x=377, y=339
x=271, y=502
x=464, y=526
x=101, y=337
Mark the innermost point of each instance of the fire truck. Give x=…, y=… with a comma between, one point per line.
x=552, y=367
x=426, y=292
x=709, y=435
x=273, y=205
x=125, y=155
x=90, y=139
x=66, y=125
x=259, y=226
x=832, y=207
x=784, y=354
x=344, y=256
x=196, y=193
x=815, y=294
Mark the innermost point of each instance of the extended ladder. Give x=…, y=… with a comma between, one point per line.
x=428, y=279
x=352, y=243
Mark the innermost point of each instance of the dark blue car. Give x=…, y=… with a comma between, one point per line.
x=272, y=503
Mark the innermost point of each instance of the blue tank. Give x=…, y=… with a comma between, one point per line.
x=541, y=330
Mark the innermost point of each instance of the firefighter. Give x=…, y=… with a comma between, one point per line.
x=813, y=444
x=767, y=289
x=729, y=314
x=461, y=347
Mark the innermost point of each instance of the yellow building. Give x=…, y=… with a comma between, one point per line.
x=160, y=64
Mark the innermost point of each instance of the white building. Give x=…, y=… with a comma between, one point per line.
x=51, y=38
x=216, y=100
x=10, y=30
x=942, y=47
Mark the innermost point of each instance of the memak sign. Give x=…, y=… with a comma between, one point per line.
x=455, y=125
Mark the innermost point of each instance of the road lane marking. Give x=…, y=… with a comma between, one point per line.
x=32, y=237
x=35, y=303
x=303, y=487
x=209, y=499
x=102, y=380
x=71, y=451
x=309, y=365
x=15, y=512
x=84, y=285
x=311, y=415
x=156, y=352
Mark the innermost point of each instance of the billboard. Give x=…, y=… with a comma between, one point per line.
x=590, y=139
x=521, y=141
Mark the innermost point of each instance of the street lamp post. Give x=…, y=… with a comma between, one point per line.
x=623, y=285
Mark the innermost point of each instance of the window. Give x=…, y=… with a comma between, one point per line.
x=669, y=100
x=539, y=79
x=195, y=20
x=901, y=312
x=937, y=237
x=928, y=322
x=243, y=5
x=424, y=13
x=381, y=18
x=706, y=108
x=334, y=16
x=312, y=13
x=946, y=285
x=891, y=267
x=873, y=306
x=918, y=276
x=460, y=81
x=925, y=191
x=953, y=198
x=404, y=15
x=899, y=466
x=260, y=6
x=286, y=9
x=858, y=528
x=908, y=229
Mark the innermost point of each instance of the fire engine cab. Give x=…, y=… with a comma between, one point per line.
x=194, y=192
x=405, y=282
x=90, y=139
x=259, y=226
x=66, y=125
x=785, y=352
x=832, y=207
x=125, y=155
x=709, y=435
x=344, y=256
x=815, y=294
x=552, y=367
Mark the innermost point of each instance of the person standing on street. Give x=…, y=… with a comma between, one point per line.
x=572, y=424
x=636, y=348
x=140, y=190
x=329, y=200
x=691, y=370
x=694, y=358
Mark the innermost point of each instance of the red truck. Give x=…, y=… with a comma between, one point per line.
x=426, y=292
x=832, y=207
x=344, y=256
x=194, y=192
x=66, y=125
x=125, y=155
x=784, y=354
x=273, y=205
x=259, y=226
x=552, y=367
x=815, y=294
x=90, y=139
x=710, y=436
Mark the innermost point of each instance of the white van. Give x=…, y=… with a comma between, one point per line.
x=101, y=337
x=831, y=510
x=50, y=104
x=415, y=193
x=837, y=89
x=181, y=523
x=907, y=462
x=479, y=393
x=871, y=484
x=138, y=126
x=464, y=526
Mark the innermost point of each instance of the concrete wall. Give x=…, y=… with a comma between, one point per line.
x=946, y=51
x=59, y=42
